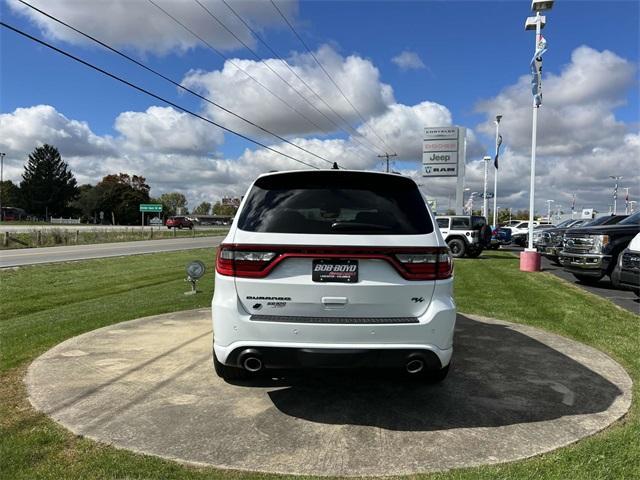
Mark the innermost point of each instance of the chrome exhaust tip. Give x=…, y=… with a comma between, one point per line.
x=252, y=364
x=414, y=366
x=251, y=360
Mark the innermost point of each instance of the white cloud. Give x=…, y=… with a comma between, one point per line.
x=577, y=111
x=407, y=60
x=141, y=26
x=580, y=140
x=165, y=130
x=27, y=128
x=358, y=78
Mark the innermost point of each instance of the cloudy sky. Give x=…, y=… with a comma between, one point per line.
x=401, y=66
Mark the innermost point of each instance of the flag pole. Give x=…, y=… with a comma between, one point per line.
x=495, y=172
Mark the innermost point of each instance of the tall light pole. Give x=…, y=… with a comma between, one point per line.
x=495, y=172
x=549, y=202
x=1, y=180
x=530, y=258
x=485, y=202
x=615, y=192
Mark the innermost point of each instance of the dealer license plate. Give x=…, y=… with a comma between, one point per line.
x=342, y=271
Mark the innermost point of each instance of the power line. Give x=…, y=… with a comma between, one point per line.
x=221, y=23
x=226, y=58
x=327, y=74
x=164, y=77
x=147, y=92
x=286, y=64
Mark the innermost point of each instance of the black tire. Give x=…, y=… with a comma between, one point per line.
x=229, y=373
x=168, y=228
x=494, y=247
x=555, y=261
x=474, y=252
x=179, y=227
x=615, y=278
x=457, y=246
x=190, y=227
x=586, y=279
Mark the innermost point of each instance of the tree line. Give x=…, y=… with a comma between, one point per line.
x=49, y=189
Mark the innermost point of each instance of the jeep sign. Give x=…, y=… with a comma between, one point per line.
x=444, y=157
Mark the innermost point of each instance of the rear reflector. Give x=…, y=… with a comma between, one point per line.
x=257, y=261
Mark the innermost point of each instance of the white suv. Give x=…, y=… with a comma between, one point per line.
x=333, y=268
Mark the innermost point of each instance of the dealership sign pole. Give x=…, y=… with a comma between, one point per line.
x=443, y=155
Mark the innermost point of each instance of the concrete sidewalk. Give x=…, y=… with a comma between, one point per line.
x=148, y=385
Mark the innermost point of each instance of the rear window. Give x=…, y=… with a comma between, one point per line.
x=335, y=202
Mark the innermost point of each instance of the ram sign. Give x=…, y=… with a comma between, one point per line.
x=441, y=151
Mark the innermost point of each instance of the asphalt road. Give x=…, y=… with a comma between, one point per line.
x=30, y=256
x=8, y=227
x=623, y=298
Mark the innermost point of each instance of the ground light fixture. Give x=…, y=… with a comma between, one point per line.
x=195, y=271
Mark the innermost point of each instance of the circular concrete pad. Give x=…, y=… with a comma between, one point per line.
x=148, y=385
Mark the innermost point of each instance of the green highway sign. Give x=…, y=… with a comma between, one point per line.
x=150, y=207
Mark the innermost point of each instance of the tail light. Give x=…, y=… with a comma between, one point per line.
x=243, y=263
x=256, y=261
x=427, y=266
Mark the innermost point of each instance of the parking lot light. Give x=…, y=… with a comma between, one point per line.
x=485, y=204
x=617, y=178
x=530, y=258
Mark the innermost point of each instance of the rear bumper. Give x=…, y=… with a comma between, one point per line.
x=289, y=355
x=374, y=342
x=585, y=263
x=630, y=279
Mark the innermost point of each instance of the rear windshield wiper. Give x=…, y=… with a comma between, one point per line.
x=355, y=226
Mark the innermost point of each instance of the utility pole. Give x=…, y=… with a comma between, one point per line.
x=1, y=180
x=387, y=155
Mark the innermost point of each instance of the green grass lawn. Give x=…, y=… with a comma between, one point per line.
x=43, y=305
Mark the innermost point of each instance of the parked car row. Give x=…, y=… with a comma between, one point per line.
x=593, y=252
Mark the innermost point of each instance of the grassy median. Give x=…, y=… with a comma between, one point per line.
x=43, y=305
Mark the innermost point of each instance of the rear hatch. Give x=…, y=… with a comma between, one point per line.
x=331, y=244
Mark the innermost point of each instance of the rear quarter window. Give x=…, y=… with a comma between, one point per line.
x=335, y=202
